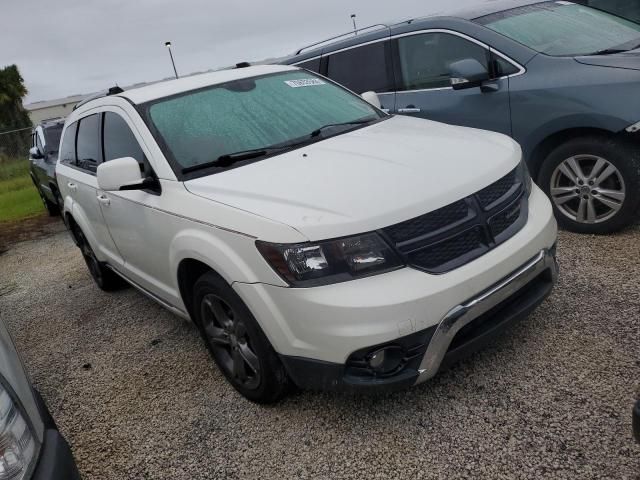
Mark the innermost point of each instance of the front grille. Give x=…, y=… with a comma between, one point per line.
x=456, y=234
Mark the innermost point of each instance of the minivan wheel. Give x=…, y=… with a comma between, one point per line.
x=593, y=183
x=104, y=277
x=236, y=342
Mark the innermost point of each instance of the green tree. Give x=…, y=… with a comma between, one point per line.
x=13, y=116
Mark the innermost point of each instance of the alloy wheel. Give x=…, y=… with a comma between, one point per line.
x=229, y=340
x=587, y=189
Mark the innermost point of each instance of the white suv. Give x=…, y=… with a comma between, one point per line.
x=312, y=238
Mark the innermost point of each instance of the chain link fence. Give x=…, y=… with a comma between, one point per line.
x=15, y=144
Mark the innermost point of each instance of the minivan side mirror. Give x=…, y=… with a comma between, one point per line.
x=468, y=73
x=34, y=152
x=121, y=173
x=372, y=98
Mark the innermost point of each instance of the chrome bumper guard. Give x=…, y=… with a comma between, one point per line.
x=465, y=313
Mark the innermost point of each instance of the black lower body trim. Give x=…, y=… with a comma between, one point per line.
x=636, y=421
x=56, y=461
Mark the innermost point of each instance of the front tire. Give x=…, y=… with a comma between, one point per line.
x=593, y=183
x=236, y=342
x=104, y=277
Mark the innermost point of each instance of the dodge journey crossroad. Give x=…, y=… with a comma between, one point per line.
x=313, y=239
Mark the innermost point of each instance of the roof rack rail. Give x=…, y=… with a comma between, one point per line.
x=111, y=91
x=352, y=32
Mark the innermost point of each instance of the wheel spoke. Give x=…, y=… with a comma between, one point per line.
x=566, y=171
x=562, y=195
x=591, y=211
x=606, y=173
x=239, y=371
x=215, y=306
x=612, y=204
x=217, y=335
x=582, y=211
x=600, y=164
x=249, y=357
x=577, y=169
x=614, y=194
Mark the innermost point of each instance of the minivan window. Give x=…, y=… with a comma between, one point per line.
x=425, y=59
x=68, y=148
x=89, y=149
x=361, y=69
x=200, y=127
x=313, y=65
x=565, y=29
x=52, y=137
x=119, y=140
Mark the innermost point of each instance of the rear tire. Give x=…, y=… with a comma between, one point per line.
x=105, y=278
x=593, y=183
x=236, y=342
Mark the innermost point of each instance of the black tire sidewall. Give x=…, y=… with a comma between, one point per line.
x=273, y=381
x=624, y=157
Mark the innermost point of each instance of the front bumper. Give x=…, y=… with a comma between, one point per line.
x=464, y=329
x=56, y=461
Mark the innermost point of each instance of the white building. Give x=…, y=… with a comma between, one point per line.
x=61, y=107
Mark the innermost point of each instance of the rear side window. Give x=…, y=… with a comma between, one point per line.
x=313, y=65
x=68, y=150
x=89, y=149
x=361, y=69
x=119, y=140
x=425, y=59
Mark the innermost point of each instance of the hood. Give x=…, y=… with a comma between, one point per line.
x=629, y=60
x=366, y=179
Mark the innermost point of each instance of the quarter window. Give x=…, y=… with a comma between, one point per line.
x=361, y=69
x=425, y=58
x=119, y=140
x=68, y=150
x=89, y=150
x=313, y=65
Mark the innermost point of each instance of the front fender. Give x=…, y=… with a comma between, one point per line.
x=232, y=255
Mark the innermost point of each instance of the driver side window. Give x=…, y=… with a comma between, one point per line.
x=425, y=59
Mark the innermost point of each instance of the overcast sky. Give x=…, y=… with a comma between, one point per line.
x=65, y=47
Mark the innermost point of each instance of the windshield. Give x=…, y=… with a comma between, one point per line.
x=52, y=138
x=565, y=29
x=279, y=110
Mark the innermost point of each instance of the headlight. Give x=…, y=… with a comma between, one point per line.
x=332, y=261
x=526, y=177
x=18, y=444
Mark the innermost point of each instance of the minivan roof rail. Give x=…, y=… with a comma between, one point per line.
x=111, y=91
x=377, y=26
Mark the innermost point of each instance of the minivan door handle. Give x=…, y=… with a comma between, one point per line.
x=409, y=109
x=72, y=186
x=103, y=199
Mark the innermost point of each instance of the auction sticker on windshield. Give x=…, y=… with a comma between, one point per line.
x=304, y=82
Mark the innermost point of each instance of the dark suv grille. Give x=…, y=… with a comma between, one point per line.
x=456, y=234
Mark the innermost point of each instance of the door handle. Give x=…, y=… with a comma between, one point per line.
x=72, y=186
x=103, y=199
x=409, y=109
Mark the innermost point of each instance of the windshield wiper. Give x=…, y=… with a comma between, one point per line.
x=609, y=51
x=318, y=131
x=229, y=159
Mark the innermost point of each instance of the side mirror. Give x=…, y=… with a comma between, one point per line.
x=34, y=152
x=372, y=98
x=119, y=174
x=468, y=73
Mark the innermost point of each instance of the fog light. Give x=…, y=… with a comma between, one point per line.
x=386, y=360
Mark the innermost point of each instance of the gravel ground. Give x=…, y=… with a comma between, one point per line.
x=134, y=391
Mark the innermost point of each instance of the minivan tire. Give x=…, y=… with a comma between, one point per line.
x=236, y=342
x=624, y=182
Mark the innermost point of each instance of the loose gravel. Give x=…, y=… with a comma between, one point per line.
x=134, y=391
